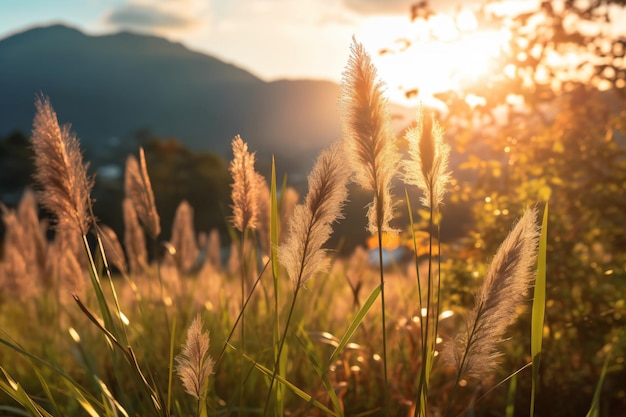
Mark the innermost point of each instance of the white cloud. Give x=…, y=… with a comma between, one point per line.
x=378, y=7
x=165, y=17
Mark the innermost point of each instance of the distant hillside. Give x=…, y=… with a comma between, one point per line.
x=111, y=86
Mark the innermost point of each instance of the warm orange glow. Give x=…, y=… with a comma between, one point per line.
x=444, y=53
x=391, y=241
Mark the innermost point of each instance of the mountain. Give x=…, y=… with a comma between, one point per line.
x=111, y=86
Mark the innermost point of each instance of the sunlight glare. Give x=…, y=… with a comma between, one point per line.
x=444, y=53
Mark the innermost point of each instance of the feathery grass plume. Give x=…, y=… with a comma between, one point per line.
x=59, y=170
x=184, y=238
x=138, y=188
x=134, y=239
x=213, y=249
x=194, y=365
x=71, y=277
x=28, y=216
x=15, y=281
x=245, y=186
x=112, y=248
x=370, y=143
x=428, y=159
x=310, y=227
x=474, y=351
x=23, y=241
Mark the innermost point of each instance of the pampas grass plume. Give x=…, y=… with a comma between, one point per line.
x=245, y=187
x=184, y=238
x=310, y=227
x=112, y=248
x=194, y=365
x=474, y=351
x=138, y=189
x=369, y=141
x=59, y=170
x=134, y=239
x=427, y=166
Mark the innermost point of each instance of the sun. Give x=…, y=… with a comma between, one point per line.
x=444, y=53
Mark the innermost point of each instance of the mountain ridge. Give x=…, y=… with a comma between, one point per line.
x=111, y=86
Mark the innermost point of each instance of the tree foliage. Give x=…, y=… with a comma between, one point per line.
x=564, y=139
x=551, y=50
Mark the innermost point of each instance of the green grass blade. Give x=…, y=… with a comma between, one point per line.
x=538, y=309
x=46, y=389
x=300, y=393
x=510, y=398
x=84, y=403
x=97, y=287
x=15, y=391
x=280, y=394
x=594, y=410
x=315, y=361
x=367, y=305
x=274, y=222
x=34, y=359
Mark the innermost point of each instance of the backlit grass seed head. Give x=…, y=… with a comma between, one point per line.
x=427, y=166
x=474, y=350
x=59, y=170
x=34, y=231
x=310, y=227
x=138, y=189
x=134, y=239
x=184, y=238
x=112, y=248
x=194, y=365
x=370, y=144
x=245, y=187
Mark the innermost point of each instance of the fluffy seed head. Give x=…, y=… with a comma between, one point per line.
x=427, y=166
x=138, y=189
x=112, y=248
x=59, y=170
x=194, y=365
x=310, y=227
x=134, y=239
x=369, y=141
x=184, y=238
x=474, y=351
x=245, y=186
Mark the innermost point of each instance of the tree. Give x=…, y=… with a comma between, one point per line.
x=555, y=49
x=564, y=140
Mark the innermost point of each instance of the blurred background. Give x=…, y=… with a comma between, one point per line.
x=531, y=94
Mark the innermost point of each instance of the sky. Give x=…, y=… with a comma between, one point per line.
x=271, y=38
x=294, y=39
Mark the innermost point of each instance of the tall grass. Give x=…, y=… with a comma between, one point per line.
x=113, y=349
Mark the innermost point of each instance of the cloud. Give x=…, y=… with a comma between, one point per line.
x=147, y=17
x=403, y=7
x=159, y=15
x=378, y=7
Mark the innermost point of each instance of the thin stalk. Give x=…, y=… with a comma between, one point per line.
x=489, y=391
x=417, y=270
x=422, y=391
x=382, y=294
x=155, y=246
x=438, y=282
x=232, y=330
x=460, y=371
x=280, y=349
x=242, y=264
